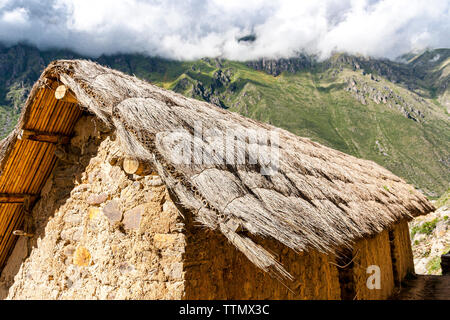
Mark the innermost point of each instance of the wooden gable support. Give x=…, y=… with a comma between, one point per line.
x=26, y=199
x=64, y=94
x=46, y=137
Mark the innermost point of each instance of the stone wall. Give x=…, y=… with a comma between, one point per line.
x=99, y=233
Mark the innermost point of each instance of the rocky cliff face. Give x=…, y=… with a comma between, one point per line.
x=363, y=90
x=276, y=66
x=212, y=92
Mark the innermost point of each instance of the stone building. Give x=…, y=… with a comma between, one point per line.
x=96, y=204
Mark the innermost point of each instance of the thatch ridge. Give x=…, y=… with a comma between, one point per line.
x=319, y=198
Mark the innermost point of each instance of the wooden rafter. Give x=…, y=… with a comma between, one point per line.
x=16, y=198
x=47, y=137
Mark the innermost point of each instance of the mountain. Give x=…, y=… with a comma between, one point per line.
x=395, y=113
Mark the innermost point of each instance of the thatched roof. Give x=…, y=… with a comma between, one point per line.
x=317, y=198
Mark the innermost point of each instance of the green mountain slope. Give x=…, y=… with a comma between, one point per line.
x=394, y=113
x=444, y=200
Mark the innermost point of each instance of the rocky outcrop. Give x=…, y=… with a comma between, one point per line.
x=277, y=66
x=364, y=91
x=430, y=236
x=217, y=92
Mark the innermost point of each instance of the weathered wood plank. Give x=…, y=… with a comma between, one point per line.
x=44, y=137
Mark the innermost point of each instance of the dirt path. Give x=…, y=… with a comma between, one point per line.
x=425, y=287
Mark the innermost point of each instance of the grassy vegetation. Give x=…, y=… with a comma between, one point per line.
x=426, y=228
x=8, y=119
x=434, y=265
x=444, y=200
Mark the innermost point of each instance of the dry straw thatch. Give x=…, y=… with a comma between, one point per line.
x=319, y=198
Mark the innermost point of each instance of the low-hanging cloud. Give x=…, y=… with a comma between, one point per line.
x=199, y=28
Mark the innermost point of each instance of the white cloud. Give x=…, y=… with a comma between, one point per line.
x=17, y=16
x=197, y=28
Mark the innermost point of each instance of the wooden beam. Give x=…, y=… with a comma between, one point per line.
x=47, y=137
x=23, y=233
x=64, y=94
x=133, y=166
x=17, y=198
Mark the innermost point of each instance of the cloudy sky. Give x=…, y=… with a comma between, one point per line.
x=190, y=29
